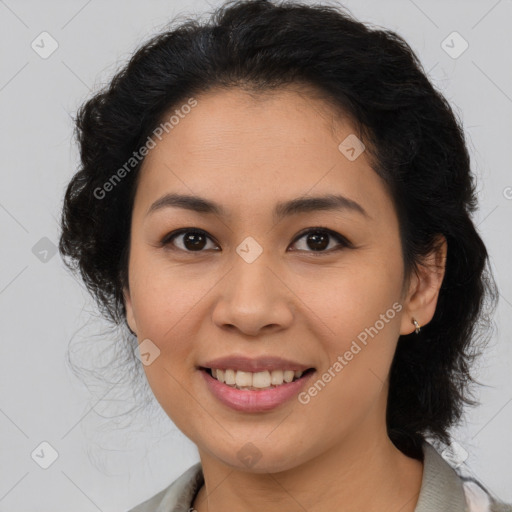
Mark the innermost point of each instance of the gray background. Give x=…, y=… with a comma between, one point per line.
x=108, y=466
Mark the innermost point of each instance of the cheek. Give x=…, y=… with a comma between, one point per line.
x=354, y=381
x=351, y=298
x=361, y=314
x=164, y=296
x=169, y=316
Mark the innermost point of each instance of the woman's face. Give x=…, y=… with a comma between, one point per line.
x=256, y=284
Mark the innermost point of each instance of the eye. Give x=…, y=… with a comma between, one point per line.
x=194, y=239
x=318, y=240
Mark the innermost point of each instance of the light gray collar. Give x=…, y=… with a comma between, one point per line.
x=441, y=487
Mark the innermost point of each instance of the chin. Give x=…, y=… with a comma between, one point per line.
x=254, y=458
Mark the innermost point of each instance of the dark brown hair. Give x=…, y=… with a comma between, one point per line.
x=415, y=140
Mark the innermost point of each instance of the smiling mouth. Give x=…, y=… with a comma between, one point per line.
x=256, y=381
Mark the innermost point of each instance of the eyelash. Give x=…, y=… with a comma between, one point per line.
x=343, y=242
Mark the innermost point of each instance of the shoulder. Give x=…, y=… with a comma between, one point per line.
x=447, y=488
x=479, y=499
x=151, y=504
x=178, y=496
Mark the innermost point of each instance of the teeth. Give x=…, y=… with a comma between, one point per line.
x=288, y=375
x=258, y=380
x=229, y=377
x=243, y=379
x=261, y=380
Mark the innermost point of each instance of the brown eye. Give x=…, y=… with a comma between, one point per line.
x=192, y=240
x=318, y=239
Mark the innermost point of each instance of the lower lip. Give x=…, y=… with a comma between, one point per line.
x=247, y=400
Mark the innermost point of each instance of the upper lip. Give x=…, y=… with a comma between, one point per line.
x=258, y=364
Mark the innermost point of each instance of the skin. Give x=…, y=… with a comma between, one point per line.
x=248, y=153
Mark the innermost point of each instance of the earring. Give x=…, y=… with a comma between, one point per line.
x=417, y=325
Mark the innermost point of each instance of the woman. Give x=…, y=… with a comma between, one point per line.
x=277, y=204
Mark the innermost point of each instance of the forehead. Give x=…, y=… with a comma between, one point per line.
x=241, y=147
x=233, y=120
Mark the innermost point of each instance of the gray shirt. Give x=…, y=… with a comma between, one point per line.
x=442, y=490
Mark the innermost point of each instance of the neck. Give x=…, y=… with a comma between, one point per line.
x=361, y=473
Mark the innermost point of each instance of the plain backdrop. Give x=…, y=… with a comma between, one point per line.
x=108, y=466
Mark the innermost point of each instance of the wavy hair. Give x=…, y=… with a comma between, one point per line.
x=414, y=141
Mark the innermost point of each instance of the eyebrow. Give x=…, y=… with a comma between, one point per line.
x=281, y=210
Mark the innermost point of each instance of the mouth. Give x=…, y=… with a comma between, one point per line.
x=256, y=381
x=255, y=392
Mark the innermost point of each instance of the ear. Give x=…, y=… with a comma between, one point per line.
x=130, y=317
x=421, y=300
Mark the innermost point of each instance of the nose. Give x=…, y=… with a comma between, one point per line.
x=253, y=299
